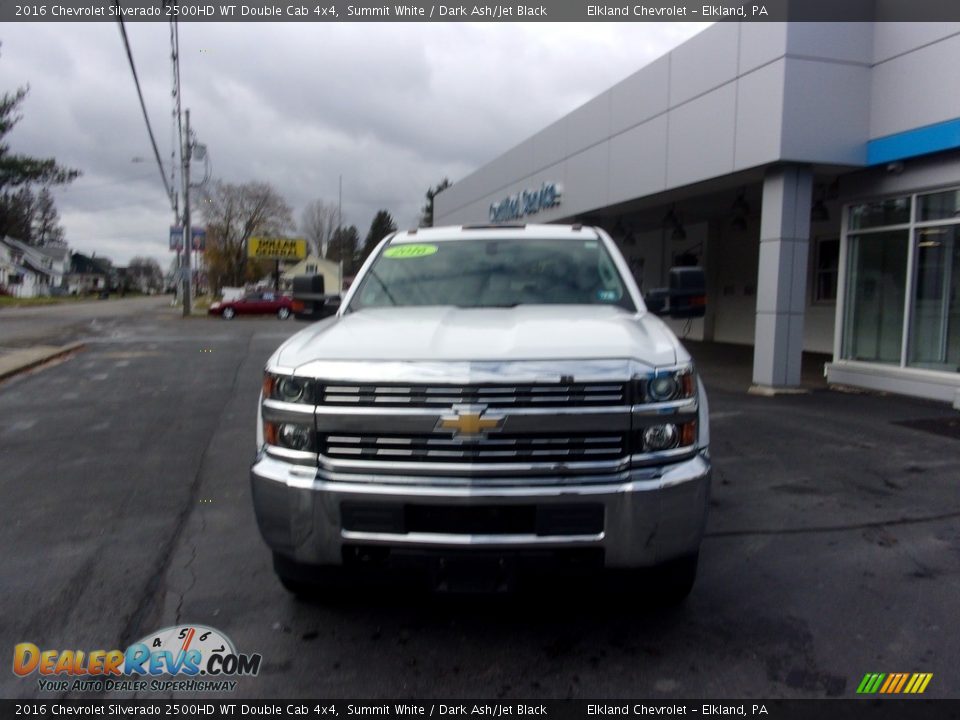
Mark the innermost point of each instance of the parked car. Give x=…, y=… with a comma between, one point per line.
x=487, y=404
x=260, y=303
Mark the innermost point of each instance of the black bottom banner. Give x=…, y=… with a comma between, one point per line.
x=893, y=709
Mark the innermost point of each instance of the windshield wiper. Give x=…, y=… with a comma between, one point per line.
x=487, y=306
x=386, y=291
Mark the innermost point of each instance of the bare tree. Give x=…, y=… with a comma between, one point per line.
x=426, y=212
x=144, y=274
x=234, y=213
x=47, y=229
x=319, y=223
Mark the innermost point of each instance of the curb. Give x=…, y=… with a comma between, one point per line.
x=18, y=361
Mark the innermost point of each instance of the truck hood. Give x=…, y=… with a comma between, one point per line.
x=526, y=332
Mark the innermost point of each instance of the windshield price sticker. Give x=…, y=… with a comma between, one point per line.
x=407, y=252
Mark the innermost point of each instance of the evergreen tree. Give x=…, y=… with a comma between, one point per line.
x=381, y=226
x=19, y=172
x=17, y=211
x=344, y=245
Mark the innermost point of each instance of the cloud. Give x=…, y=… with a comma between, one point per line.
x=391, y=107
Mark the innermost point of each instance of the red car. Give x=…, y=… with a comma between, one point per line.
x=259, y=303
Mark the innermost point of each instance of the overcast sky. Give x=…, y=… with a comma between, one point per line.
x=392, y=107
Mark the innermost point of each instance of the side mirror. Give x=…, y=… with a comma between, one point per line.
x=656, y=300
x=685, y=298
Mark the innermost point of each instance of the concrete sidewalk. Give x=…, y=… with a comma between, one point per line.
x=17, y=360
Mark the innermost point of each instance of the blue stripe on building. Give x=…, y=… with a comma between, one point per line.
x=920, y=141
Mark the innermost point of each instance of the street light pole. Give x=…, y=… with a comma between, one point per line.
x=340, y=236
x=187, y=228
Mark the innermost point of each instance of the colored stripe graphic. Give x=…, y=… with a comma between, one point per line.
x=891, y=679
x=870, y=683
x=894, y=683
x=903, y=679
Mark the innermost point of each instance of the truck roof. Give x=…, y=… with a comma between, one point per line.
x=488, y=232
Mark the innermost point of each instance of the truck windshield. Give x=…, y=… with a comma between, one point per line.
x=500, y=272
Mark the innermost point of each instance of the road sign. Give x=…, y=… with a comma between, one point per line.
x=277, y=248
x=198, y=234
x=199, y=238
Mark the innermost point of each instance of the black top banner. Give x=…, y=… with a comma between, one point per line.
x=900, y=709
x=533, y=10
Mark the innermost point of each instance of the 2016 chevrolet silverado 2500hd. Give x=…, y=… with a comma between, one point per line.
x=493, y=398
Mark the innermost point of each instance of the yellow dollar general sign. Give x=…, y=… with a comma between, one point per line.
x=277, y=248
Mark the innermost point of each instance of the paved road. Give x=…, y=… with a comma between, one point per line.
x=833, y=547
x=73, y=320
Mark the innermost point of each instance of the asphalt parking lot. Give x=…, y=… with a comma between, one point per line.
x=833, y=544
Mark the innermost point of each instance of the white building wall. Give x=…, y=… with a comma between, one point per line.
x=737, y=98
x=734, y=97
x=914, y=81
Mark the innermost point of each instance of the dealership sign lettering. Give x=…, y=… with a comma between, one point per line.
x=526, y=202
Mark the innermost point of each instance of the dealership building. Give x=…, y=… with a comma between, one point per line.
x=811, y=169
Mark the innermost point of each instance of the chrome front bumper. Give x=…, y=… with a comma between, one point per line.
x=651, y=515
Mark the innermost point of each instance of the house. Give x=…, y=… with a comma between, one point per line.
x=312, y=265
x=58, y=257
x=24, y=271
x=88, y=274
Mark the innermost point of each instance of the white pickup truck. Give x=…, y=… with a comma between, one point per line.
x=488, y=404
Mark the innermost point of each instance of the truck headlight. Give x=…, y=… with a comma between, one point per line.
x=292, y=436
x=668, y=436
x=660, y=437
x=288, y=388
x=666, y=385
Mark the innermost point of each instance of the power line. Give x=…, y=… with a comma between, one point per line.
x=143, y=106
x=70, y=189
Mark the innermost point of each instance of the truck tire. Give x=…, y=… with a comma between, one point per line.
x=283, y=313
x=228, y=313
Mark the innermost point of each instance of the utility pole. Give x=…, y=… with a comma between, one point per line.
x=187, y=227
x=340, y=237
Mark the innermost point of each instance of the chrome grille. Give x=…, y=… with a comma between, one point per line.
x=500, y=448
x=495, y=396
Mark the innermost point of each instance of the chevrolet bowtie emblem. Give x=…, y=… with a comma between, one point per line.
x=470, y=422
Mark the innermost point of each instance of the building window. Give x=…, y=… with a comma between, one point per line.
x=902, y=302
x=826, y=266
x=934, y=341
x=873, y=328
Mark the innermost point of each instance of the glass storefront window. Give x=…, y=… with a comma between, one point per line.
x=876, y=287
x=893, y=211
x=827, y=264
x=935, y=321
x=939, y=206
